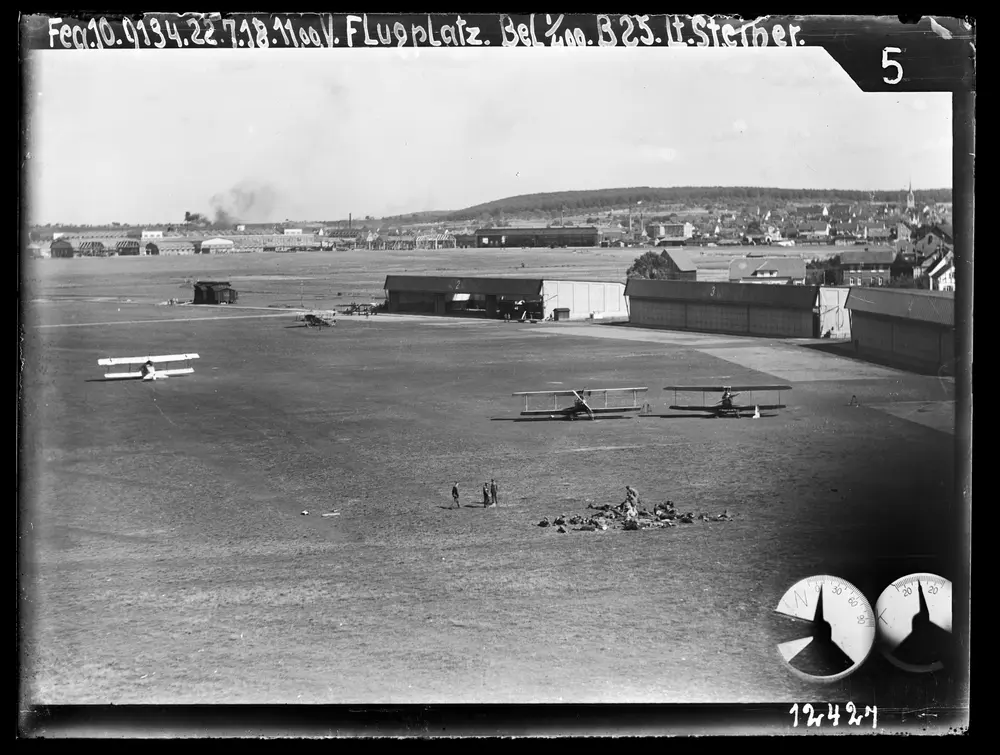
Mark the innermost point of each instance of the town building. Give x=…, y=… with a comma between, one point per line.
x=915, y=329
x=877, y=234
x=670, y=232
x=528, y=298
x=942, y=275
x=611, y=237
x=814, y=230
x=866, y=268
x=934, y=238
x=781, y=270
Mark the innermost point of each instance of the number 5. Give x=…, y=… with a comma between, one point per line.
x=886, y=63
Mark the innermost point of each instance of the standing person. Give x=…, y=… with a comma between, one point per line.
x=454, y=494
x=149, y=372
x=486, y=495
x=493, y=492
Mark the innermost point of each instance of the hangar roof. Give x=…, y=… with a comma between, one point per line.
x=926, y=306
x=783, y=297
x=470, y=285
x=680, y=259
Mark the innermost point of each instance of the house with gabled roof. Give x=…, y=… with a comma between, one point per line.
x=781, y=270
x=680, y=265
x=942, y=275
x=866, y=268
x=814, y=229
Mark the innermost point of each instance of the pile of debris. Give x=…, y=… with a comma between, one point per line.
x=627, y=516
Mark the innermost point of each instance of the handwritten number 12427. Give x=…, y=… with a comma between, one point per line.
x=812, y=718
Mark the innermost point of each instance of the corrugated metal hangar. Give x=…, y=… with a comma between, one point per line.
x=913, y=328
x=530, y=298
x=737, y=308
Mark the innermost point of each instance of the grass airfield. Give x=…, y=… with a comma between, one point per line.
x=166, y=558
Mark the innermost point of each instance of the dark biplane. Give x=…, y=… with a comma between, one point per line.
x=365, y=309
x=583, y=404
x=727, y=406
x=317, y=319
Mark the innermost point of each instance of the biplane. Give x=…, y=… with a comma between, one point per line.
x=145, y=368
x=727, y=406
x=361, y=309
x=584, y=403
x=317, y=319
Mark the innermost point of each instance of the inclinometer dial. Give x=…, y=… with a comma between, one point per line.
x=915, y=622
x=836, y=631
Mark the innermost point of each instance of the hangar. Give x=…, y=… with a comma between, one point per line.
x=777, y=311
x=532, y=298
x=913, y=328
x=217, y=246
x=532, y=237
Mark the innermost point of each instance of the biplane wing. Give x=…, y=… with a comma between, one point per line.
x=589, y=405
x=721, y=388
x=715, y=407
x=139, y=361
x=733, y=390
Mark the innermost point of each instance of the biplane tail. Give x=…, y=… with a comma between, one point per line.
x=130, y=363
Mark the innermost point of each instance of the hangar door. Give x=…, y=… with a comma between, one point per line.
x=654, y=313
x=782, y=323
x=723, y=318
x=917, y=340
x=872, y=333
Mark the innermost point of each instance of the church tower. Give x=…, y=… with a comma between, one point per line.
x=911, y=203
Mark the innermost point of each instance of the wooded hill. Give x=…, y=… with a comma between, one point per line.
x=690, y=196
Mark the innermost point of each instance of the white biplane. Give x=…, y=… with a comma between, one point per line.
x=583, y=403
x=145, y=368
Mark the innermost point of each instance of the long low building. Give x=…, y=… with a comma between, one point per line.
x=733, y=308
x=909, y=327
x=533, y=298
x=499, y=238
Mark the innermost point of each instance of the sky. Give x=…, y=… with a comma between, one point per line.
x=143, y=136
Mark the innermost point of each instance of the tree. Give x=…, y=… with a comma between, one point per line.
x=909, y=282
x=652, y=266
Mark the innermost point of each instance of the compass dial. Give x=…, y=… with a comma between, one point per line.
x=831, y=628
x=914, y=622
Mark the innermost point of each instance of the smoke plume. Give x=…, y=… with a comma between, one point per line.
x=247, y=202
